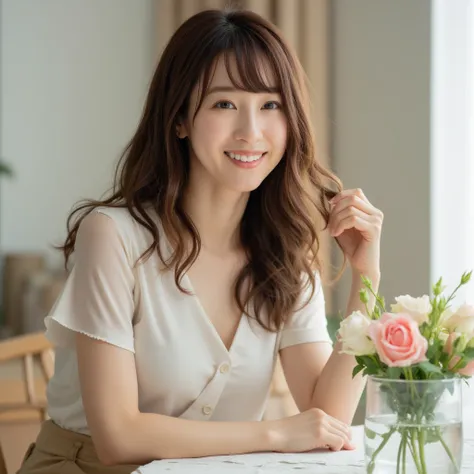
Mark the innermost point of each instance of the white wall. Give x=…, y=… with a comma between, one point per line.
x=381, y=128
x=73, y=80
x=452, y=226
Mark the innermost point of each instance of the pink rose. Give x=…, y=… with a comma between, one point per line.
x=398, y=340
x=448, y=348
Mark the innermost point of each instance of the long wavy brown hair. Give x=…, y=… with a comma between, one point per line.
x=279, y=228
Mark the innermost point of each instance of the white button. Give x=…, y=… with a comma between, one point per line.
x=224, y=368
x=207, y=409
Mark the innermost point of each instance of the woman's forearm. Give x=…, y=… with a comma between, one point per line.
x=336, y=392
x=147, y=437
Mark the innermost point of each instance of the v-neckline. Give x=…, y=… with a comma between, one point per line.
x=200, y=307
x=208, y=321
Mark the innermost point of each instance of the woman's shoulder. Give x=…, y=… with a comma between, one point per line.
x=123, y=218
x=135, y=237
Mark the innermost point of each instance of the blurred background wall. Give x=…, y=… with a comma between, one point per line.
x=381, y=71
x=73, y=81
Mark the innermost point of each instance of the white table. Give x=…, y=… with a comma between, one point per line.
x=321, y=462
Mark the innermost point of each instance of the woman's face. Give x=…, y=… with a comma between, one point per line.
x=237, y=137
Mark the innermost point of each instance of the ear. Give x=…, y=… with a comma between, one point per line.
x=181, y=131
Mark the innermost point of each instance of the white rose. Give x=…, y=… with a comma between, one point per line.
x=461, y=321
x=353, y=334
x=445, y=316
x=418, y=308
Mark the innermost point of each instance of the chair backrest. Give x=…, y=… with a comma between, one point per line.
x=28, y=349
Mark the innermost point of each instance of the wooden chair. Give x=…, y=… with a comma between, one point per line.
x=29, y=348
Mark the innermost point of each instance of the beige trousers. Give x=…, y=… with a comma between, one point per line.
x=60, y=451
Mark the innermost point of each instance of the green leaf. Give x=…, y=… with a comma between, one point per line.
x=370, y=433
x=458, y=343
x=369, y=362
x=356, y=370
x=372, y=371
x=432, y=351
x=431, y=436
x=469, y=353
x=462, y=363
x=443, y=359
x=428, y=367
x=394, y=372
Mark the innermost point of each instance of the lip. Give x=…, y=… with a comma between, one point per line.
x=246, y=152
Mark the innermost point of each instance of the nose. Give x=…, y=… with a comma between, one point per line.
x=248, y=127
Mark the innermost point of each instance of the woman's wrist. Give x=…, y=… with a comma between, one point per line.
x=272, y=435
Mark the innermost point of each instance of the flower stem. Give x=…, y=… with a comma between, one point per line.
x=414, y=452
x=421, y=445
x=378, y=300
x=386, y=437
x=451, y=296
x=409, y=376
x=405, y=439
x=400, y=451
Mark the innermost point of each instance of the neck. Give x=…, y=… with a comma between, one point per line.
x=217, y=214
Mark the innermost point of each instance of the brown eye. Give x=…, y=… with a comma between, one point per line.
x=275, y=105
x=224, y=104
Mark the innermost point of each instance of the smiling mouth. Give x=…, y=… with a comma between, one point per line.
x=245, y=158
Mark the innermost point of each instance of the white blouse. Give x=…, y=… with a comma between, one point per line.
x=183, y=367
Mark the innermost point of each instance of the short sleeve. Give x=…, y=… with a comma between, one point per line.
x=307, y=324
x=97, y=299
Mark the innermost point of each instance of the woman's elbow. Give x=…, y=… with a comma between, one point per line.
x=109, y=454
x=111, y=448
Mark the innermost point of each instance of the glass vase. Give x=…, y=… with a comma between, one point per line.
x=413, y=426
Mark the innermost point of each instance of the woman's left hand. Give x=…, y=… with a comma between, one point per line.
x=357, y=226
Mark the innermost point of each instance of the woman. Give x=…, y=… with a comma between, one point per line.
x=202, y=267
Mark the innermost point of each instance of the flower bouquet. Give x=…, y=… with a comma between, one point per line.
x=416, y=357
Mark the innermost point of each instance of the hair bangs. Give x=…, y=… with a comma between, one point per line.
x=255, y=67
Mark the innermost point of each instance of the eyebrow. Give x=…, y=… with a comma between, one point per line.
x=215, y=89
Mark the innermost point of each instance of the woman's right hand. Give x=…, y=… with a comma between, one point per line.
x=309, y=430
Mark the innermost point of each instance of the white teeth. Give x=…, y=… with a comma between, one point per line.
x=243, y=158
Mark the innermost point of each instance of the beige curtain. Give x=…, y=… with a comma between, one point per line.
x=305, y=25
